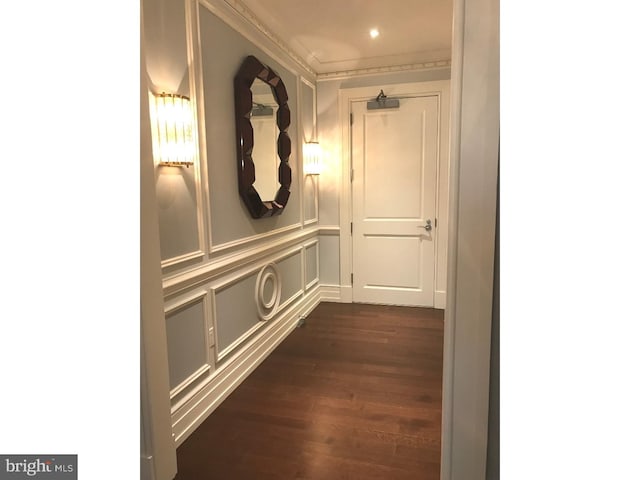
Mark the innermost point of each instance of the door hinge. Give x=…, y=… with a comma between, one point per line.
x=351, y=228
x=351, y=118
x=352, y=279
x=435, y=222
x=352, y=174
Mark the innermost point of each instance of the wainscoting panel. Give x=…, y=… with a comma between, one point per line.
x=329, y=244
x=187, y=332
x=248, y=299
x=178, y=210
x=310, y=199
x=311, y=258
x=291, y=271
x=189, y=414
x=235, y=313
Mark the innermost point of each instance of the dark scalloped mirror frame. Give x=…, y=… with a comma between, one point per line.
x=251, y=69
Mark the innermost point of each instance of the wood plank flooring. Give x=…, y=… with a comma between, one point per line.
x=353, y=394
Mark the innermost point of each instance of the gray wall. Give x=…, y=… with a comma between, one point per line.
x=212, y=251
x=223, y=51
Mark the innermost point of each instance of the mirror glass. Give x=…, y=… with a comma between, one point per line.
x=265, y=140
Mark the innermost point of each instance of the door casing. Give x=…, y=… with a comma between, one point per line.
x=346, y=98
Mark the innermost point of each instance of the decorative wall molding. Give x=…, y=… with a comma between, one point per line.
x=315, y=280
x=173, y=308
x=251, y=17
x=268, y=308
x=314, y=182
x=242, y=274
x=315, y=105
x=192, y=411
x=220, y=355
x=414, y=67
x=196, y=255
x=329, y=230
x=246, y=241
x=232, y=15
x=181, y=259
x=200, y=275
x=314, y=137
x=299, y=250
x=204, y=369
x=196, y=87
x=238, y=16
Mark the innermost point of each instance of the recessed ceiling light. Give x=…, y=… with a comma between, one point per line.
x=374, y=32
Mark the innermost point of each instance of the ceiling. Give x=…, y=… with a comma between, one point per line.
x=333, y=35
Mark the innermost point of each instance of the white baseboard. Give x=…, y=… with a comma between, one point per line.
x=346, y=294
x=146, y=467
x=330, y=293
x=228, y=377
x=440, y=299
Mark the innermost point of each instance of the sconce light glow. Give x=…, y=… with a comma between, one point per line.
x=374, y=33
x=312, y=158
x=172, y=130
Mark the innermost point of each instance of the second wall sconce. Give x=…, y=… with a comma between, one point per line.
x=172, y=130
x=312, y=158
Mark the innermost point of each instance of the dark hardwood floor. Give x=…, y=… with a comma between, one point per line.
x=353, y=394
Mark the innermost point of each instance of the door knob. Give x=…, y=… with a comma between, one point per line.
x=427, y=227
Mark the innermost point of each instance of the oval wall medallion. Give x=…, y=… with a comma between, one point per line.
x=268, y=291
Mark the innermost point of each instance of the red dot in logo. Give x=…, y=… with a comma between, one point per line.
x=48, y=462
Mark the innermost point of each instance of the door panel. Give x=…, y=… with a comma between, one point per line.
x=394, y=159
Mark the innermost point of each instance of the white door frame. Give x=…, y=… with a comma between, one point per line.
x=472, y=214
x=345, y=98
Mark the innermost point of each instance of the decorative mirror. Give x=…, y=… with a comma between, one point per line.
x=260, y=135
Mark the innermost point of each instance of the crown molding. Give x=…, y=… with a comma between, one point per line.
x=246, y=13
x=344, y=74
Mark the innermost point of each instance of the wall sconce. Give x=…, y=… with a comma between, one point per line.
x=172, y=130
x=312, y=158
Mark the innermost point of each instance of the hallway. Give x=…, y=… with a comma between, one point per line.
x=354, y=393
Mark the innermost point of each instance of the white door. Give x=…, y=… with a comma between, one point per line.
x=394, y=161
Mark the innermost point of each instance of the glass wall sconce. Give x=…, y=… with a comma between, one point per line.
x=172, y=130
x=312, y=158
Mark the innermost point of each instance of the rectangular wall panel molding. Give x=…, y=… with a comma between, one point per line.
x=239, y=311
x=204, y=274
x=312, y=264
x=222, y=49
x=252, y=240
x=187, y=323
x=187, y=416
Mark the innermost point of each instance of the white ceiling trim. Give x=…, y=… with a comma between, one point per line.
x=244, y=11
x=323, y=77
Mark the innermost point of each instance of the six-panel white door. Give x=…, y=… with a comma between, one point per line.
x=394, y=161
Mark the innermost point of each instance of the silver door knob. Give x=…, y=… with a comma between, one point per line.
x=427, y=227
